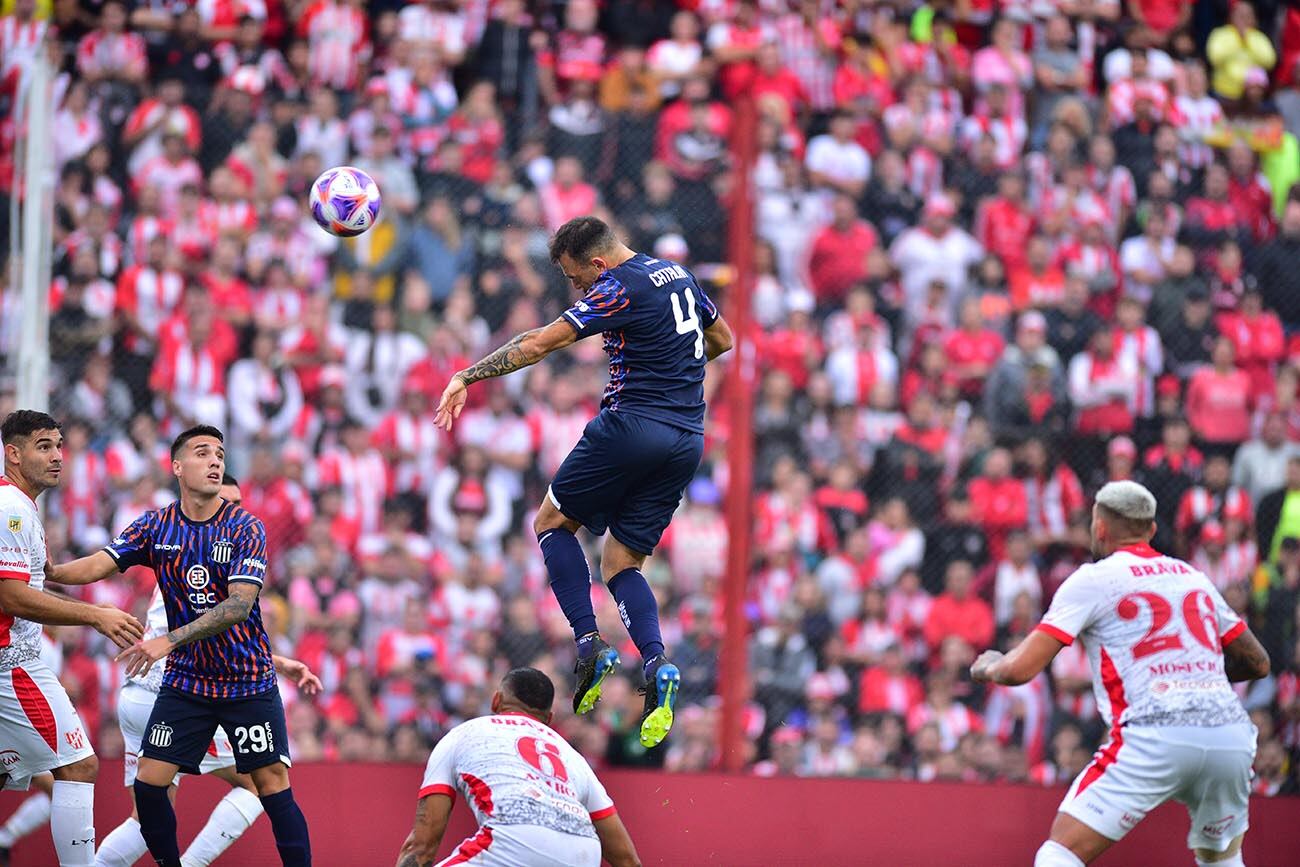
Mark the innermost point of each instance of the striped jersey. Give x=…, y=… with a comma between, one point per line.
x=653, y=315
x=22, y=558
x=196, y=562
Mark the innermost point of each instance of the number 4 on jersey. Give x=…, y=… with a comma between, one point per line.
x=690, y=322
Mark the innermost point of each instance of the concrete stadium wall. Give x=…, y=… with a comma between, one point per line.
x=360, y=814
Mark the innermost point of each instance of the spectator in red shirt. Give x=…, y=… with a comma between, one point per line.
x=838, y=257
x=999, y=500
x=796, y=348
x=1213, y=217
x=772, y=77
x=972, y=349
x=1219, y=402
x=1038, y=282
x=1004, y=223
x=957, y=612
x=1257, y=336
x=889, y=687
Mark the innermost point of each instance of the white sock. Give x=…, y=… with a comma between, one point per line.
x=30, y=815
x=123, y=846
x=72, y=822
x=1053, y=854
x=230, y=818
x=1234, y=861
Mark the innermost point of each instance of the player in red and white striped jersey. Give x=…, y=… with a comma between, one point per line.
x=110, y=52
x=537, y=801
x=1164, y=648
x=21, y=35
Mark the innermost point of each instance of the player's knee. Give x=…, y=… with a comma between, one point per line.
x=83, y=771
x=270, y=779
x=1053, y=854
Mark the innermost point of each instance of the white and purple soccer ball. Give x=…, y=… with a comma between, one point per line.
x=345, y=201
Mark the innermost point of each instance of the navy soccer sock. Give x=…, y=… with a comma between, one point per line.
x=571, y=584
x=157, y=823
x=639, y=610
x=290, y=829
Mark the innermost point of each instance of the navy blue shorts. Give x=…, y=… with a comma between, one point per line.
x=182, y=724
x=627, y=475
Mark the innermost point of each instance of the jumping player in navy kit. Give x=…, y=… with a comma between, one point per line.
x=635, y=458
x=210, y=559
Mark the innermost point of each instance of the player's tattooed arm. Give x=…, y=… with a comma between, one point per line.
x=522, y=351
x=234, y=609
x=421, y=846
x=1245, y=658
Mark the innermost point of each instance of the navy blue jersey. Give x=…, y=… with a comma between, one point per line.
x=196, y=563
x=653, y=315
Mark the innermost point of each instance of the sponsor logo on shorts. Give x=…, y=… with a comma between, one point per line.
x=1128, y=820
x=161, y=735
x=1217, y=829
x=76, y=739
x=197, y=577
x=15, y=524
x=9, y=758
x=223, y=551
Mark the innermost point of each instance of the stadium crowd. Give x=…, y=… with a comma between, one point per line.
x=1007, y=251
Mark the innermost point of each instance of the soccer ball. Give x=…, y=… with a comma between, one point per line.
x=345, y=201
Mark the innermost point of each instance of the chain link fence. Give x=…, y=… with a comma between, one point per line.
x=996, y=266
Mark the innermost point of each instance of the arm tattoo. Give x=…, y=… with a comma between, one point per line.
x=507, y=359
x=413, y=861
x=231, y=610
x=1244, y=660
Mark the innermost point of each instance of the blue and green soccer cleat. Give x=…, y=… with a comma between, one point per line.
x=663, y=680
x=592, y=672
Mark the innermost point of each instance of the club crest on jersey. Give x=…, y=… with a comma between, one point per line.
x=15, y=524
x=222, y=551
x=161, y=735
x=197, y=577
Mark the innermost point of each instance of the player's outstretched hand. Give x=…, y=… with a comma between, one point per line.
x=302, y=676
x=451, y=404
x=140, y=658
x=979, y=672
x=123, y=629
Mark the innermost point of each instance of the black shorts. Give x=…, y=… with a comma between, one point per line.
x=627, y=474
x=182, y=725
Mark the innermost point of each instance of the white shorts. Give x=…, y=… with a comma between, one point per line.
x=525, y=846
x=39, y=728
x=1207, y=769
x=134, y=705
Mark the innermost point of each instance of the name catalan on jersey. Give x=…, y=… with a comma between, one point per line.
x=196, y=562
x=653, y=315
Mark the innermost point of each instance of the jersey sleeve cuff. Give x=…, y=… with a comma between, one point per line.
x=1055, y=632
x=572, y=320
x=605, y=813
x=11, y=575
x=438, y=789
x=1233, y=633
x=245, y=579
x=117, y=558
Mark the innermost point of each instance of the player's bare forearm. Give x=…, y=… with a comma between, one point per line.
x=84, y=570
x=1022, y=664
x=421, y=846
x=523, y=350
x=717, y=339
x=17, y=599
x=234, y=609
x=1245, y=658
x=616, y=843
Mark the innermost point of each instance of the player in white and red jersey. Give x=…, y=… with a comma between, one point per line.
x=537, y=801
x=1164, y=648
x=39, y=728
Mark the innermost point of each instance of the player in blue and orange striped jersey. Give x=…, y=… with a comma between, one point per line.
x=210, y=558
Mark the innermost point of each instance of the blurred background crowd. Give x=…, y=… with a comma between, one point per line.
x=1007, y=250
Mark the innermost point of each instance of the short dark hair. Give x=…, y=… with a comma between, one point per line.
x=199, y=430
x=22, y=423
x=531, y=688
x=229, y=480
x=580, y=238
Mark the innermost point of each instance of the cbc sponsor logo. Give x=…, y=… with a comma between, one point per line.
x=200, y=595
